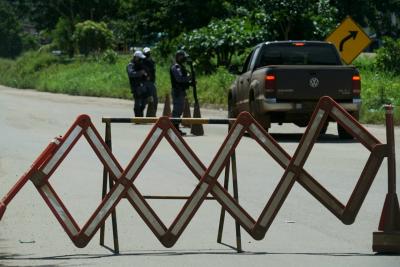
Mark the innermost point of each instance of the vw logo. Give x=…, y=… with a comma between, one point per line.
x=314, y=82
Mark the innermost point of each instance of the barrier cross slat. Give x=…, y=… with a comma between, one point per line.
x=207, y=176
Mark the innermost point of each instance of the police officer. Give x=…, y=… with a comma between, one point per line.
x=150, y=68
x=137, y=78
x=180, y=82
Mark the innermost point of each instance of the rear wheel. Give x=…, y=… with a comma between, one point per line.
x=263, y=120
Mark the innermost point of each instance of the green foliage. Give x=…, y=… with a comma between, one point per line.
x=110, y=56
x=170, y=18
x=378, y=88
x=374, y=14
x=300, y=19
x=92, y=37
x=324, y=19
x=62, y=36
x=10, y=29
x=29, y=42
x=24, y=72
x=388, y=56
x=90, y=78
x=221, y=39
x=124, y=32
x=45, y=72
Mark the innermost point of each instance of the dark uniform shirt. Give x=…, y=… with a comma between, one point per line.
x=180, y=80
x=150, y=68
x=137, y=78
x=136, y=74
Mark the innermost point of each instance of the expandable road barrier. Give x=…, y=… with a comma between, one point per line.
x=184, y=120
x=46, y=164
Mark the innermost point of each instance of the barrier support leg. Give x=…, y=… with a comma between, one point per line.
x=104, y=192
x=387, y=240
x=222, y=215
x=236, y=197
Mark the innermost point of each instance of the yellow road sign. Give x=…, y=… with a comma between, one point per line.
x=349, y=39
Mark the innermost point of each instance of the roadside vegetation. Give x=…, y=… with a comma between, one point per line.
x=82, y=47
x=98, y=77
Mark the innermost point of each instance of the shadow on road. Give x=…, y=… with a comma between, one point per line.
x=164, y=253
x=296, y=137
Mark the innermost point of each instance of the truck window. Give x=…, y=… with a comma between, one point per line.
x=289, y=54
x=254, y=58
x=246, y=63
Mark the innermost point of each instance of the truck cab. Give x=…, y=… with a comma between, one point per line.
x=282, y=81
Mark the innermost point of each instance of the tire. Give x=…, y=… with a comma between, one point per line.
x=252, y=108
x=343, y=134
x=263, y=120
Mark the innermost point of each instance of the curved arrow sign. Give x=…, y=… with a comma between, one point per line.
x=352, y=35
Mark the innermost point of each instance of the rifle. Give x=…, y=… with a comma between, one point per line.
x=196, y=101
x=196, y=129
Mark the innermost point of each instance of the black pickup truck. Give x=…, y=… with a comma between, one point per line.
x=282, y=81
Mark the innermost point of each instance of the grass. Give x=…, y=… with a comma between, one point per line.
x=94, y=77
x=378, y=88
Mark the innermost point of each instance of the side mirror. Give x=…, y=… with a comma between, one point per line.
x=234, y=69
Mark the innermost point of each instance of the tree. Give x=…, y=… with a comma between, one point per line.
x=222, y=39
x=379, y=15
x=10, y=30
x=388, y=56
x=62, y=36
x=92, y=37
x=300, y=19
x=45, y=14
x=169, y=18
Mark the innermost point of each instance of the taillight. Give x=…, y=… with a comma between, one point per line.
x=270, y=84
x=356, y=85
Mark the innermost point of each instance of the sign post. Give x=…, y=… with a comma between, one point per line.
x=349, y=39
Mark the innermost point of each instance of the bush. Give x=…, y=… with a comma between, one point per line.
x=223, y=39
x=24, y=72
x=62, y=36
x=124, y=33
x=110, y=56
x=388, y=56
x=92, y=37
x=29, y=42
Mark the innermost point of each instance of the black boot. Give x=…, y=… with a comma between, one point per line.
x=177, y=128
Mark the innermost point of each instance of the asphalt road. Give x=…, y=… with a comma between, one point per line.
x=304, y=233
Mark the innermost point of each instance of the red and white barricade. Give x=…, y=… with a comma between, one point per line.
x=124, y=186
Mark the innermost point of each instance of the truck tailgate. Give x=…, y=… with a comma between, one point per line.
x=313, y=82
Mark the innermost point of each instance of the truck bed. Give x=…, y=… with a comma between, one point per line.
x=310, y=82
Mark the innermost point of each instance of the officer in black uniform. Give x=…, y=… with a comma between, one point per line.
x=180, y=82
x=137, y=78
x=150, y=67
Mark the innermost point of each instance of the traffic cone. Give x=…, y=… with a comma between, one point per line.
x=197, y=129
x=167, y=106
x=186, y=113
